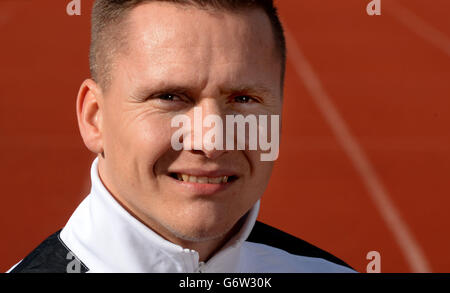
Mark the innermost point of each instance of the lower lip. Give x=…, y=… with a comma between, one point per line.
x=202, y=188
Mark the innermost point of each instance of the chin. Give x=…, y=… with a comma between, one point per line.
x=200, y=228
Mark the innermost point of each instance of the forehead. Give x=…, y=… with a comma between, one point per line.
x=192, y=45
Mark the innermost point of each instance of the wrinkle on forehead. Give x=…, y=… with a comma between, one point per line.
x=163, y=26
x=188, y=44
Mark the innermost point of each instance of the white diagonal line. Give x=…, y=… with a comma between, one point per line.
x=419, y=26
x=379, y=195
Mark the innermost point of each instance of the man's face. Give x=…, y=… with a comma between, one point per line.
x=178, y=58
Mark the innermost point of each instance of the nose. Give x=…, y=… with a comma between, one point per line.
x=208, y=129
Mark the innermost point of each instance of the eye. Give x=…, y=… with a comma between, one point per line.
x=169, y=97
x=244, y=99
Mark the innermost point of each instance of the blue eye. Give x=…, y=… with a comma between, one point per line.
x=243, y=99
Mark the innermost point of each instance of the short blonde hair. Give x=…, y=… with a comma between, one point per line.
x=108, y=35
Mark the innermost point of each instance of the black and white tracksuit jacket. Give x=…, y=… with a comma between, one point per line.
x=101, y=236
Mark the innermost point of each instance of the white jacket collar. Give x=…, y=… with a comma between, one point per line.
x=106, y=238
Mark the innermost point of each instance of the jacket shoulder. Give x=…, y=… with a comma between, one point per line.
x=265, y=234
x=51, y=256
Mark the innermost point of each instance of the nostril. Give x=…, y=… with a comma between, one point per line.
x=210, y=154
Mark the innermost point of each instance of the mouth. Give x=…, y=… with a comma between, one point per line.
x=203, y=179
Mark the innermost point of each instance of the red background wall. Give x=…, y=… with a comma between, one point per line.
x=387, y=77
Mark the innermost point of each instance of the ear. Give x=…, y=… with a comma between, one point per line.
x=89, y=114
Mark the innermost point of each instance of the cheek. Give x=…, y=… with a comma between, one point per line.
x=152, y=139
x=260, y=171
x=139, y=141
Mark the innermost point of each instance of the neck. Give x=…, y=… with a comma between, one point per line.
x=206, y=249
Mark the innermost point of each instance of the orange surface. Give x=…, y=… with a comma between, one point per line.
x=390, y=85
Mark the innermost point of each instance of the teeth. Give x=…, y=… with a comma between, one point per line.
x=216, y=180
x=203, y=179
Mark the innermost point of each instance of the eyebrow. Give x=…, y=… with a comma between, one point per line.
x=249, y=89
x=143, y=92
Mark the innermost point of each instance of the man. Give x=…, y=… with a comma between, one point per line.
x=156, y=209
